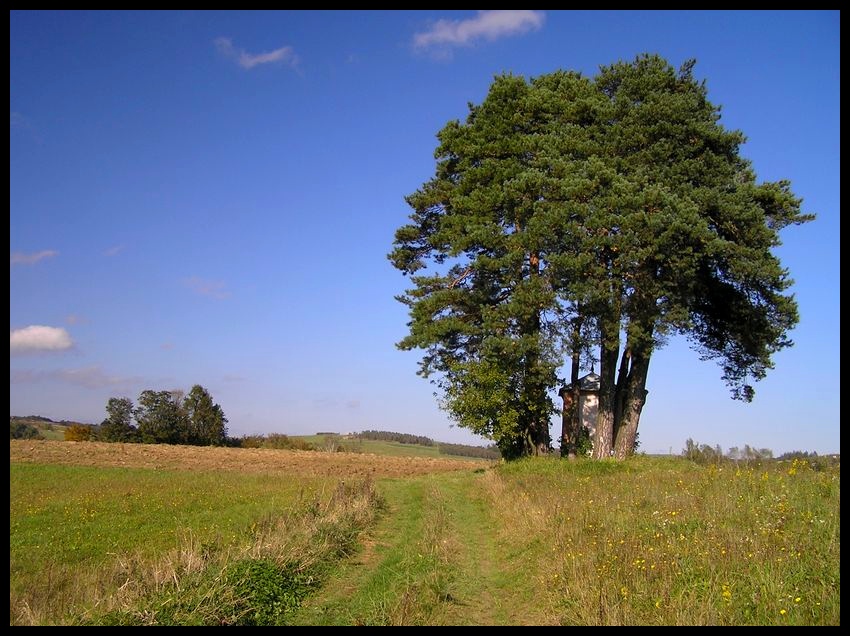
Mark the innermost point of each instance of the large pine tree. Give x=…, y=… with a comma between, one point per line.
x=568, y=211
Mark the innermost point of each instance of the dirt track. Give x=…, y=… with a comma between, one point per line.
x=251, y=460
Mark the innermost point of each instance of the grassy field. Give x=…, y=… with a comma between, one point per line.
x=648, y=541
x=75, y=529
x=377, y=447
x=46, y=429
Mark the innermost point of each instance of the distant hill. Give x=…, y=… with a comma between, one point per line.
x=397, y=444
x=38, y=427
x=41, y=421
x=377, y=442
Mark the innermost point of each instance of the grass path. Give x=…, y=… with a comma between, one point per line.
x=431, y=560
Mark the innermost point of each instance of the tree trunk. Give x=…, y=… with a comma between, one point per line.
x=603, y=441
x=620, y=389
x=568, y=430
x=634, y=400
x=539, y=439
x=570, y=417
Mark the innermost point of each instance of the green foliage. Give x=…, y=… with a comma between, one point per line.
x=166, y=417
x=118, y=425
x=466, y=450
x=705, y=454
x=161, y=418
x=274, y=440
x=402, y=438
x=702, y=453
x=584, y=442
x=22, y=430
x=266, y=593
x=204, y=418
x=618, y=203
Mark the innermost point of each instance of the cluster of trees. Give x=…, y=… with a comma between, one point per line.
x=792, y=455
x=467, y=450
x=272, y=440
x=578, y=220
x=165, y=417
x=706, y=454
x=402, y=438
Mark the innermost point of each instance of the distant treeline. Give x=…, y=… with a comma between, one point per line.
x=463, y=450
x=159, y=417
x=401, y=438
x=39, y=419
x=272, y=440
x=706, y=454
x=28, y=418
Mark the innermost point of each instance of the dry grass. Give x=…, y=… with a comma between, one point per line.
x=666, y=542
x=246, y=460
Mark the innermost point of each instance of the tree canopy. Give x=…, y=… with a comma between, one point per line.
x=118, y=425
x=166, y=417
x=590, y=217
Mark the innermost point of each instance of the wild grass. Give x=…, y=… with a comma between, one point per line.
x=130, y=546
x=648, y=541
x=405, y=575
x=658, y=541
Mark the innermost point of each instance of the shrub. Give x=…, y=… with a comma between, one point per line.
x=78, y=433
x=272, y=440
x=21, y=430
x=265, y=592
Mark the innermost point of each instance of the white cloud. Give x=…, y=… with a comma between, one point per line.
x=87, y=377
x=284, y=55
x=21, y=258
x=212, y=288
x=487, y=25
x=39, y=338
x=113, y=251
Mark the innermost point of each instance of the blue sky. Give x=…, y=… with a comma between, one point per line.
x=209, y=198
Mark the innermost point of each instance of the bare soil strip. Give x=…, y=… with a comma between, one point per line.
x=248, y=460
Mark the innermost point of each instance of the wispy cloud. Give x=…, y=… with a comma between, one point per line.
x=167, y=346
x=88, y=377
x=36, y=338
x=211, y=288
x=75, y=319
x=22, y=258
x=283, y=55
x=486, y=25
x=114, y=251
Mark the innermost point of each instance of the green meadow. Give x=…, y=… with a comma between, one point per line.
x=648, y=541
